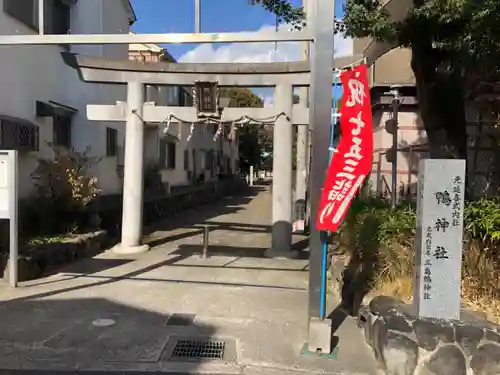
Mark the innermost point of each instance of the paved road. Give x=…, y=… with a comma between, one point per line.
x=125, y=313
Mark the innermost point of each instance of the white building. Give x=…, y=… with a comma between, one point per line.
x=42, y=100
x=181, y=161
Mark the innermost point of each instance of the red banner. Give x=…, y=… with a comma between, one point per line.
x=352, y=160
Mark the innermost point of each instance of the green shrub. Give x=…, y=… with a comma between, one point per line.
x=482, y=219
x=65, y=180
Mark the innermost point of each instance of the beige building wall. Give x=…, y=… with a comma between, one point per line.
x=411, y=135
x=191, y=157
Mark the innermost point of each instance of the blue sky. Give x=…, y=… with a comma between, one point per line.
x=177, y=16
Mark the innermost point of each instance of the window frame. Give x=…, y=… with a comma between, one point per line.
x=61, y=131
x=17, y=10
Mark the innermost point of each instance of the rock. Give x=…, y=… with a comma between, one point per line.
x=400, y=354
x=34, y=260
x=446, y=360
x=492, y=335
x=486, y=360
x=379, y=337
x=406, y=344
x=383, y=305
x=365, y=321
x=468, y=337
x=430, y=332
x=95, y=221
x=27, y=269
x=398, y=322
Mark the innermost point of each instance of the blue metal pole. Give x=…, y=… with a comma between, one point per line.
x=324, y=268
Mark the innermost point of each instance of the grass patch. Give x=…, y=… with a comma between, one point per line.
x=43, y=240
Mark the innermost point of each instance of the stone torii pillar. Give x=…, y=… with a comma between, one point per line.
x=282, y=175
x=133, y=181
x=302, y=151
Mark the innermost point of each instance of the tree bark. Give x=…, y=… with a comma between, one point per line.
x=440, y=96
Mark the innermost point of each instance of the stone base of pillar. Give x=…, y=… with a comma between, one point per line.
x=124, y=250
x=320, y=335
x=281, y=254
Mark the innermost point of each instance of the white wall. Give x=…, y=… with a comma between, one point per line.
x=177, y=176
x=201, y=142
x=30, y=73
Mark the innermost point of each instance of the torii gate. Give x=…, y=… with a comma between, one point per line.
x=319, y=34
x=135, y=112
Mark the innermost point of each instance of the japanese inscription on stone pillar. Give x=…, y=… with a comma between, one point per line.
x=438, y=245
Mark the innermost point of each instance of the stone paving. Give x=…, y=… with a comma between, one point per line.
x=119, y=313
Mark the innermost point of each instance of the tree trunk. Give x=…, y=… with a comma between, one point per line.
x=440, y=96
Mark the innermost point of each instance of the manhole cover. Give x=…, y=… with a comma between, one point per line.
x=103, y=322
x=181, y=349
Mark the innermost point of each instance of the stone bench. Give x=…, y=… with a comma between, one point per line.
x=404, y=344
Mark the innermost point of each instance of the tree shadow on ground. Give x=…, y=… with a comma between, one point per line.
x=202, y=214
x=186, y=251
x=91, y=334
x=191, y=219
x=199, y=228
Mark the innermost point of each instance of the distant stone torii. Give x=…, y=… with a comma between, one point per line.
x=135, y=112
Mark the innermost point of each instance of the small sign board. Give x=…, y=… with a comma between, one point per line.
x=5, y=171
x=9, y=206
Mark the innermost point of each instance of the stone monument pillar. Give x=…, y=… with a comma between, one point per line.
x=438, y=244
x=133, y=181
x=282, y=174
x=303, y=131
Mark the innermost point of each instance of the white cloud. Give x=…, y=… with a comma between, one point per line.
x=257, y=52
x=268, y=100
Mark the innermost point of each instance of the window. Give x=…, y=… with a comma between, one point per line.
x=173, y=95
x=162, y=153
x=171, y=146
x=25, y=11
x=111, y=142
x=57, y=14
x=185, y=98
x=203, y=161
x=186, y=160
x=60, y=16
x=62, y=131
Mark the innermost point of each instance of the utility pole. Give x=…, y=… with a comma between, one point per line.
x=197, y=16
x=302, y=161
x=395, y=114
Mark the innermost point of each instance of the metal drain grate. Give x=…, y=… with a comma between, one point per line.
x=199, y=349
